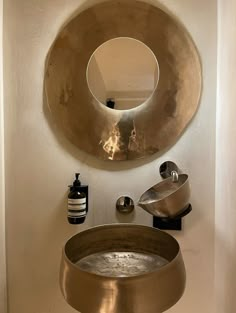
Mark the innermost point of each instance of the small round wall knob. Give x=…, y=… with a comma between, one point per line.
x=125, y=205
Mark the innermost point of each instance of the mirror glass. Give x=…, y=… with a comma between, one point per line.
x=122, y=73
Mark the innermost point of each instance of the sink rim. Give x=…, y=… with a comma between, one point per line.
x=151, y=292
x=121, y=225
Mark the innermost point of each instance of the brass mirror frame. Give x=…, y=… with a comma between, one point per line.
x=130, y=134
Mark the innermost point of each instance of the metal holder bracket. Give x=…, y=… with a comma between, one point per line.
x=171, y=223
x=167, y=168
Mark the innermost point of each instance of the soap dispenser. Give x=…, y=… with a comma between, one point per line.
x=77, y=202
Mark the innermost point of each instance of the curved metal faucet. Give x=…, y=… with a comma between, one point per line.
x=175, y=176
x=170, y=197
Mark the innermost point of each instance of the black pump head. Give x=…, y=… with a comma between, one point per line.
x=76, y=181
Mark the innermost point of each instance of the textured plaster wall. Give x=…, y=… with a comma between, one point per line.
x=225, y=281
x=39, y=166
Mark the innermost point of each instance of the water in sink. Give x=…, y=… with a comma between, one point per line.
x=121, y=264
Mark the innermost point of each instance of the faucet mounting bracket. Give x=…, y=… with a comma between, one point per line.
x=171, y=223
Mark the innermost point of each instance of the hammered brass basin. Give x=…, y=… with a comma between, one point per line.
x=168, y=198
x=122, y=268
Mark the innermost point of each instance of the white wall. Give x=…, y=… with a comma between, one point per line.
x=225, y=161
x=39, y=166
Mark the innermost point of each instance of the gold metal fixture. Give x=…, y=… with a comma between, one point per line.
x=130, y=134
x=122, y=268
x=168, y=198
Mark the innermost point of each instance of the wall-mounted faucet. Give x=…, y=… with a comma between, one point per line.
x=175, y=176
x=168, y=201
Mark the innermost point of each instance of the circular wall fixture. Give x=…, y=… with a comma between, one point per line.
x=131, y=133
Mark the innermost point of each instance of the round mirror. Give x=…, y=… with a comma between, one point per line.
x=122, y=73
x=161, y=109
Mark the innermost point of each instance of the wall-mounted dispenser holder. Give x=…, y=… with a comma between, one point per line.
x=168, y=201
x=77, y=202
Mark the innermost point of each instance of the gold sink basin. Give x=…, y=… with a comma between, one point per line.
x=168, y=198
x=122, y=268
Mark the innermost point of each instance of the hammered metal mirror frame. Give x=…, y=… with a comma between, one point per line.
x=130, y=134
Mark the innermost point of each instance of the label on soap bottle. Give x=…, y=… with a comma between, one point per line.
x=77, y=208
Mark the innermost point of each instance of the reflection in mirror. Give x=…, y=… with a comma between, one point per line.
x=122, y=73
